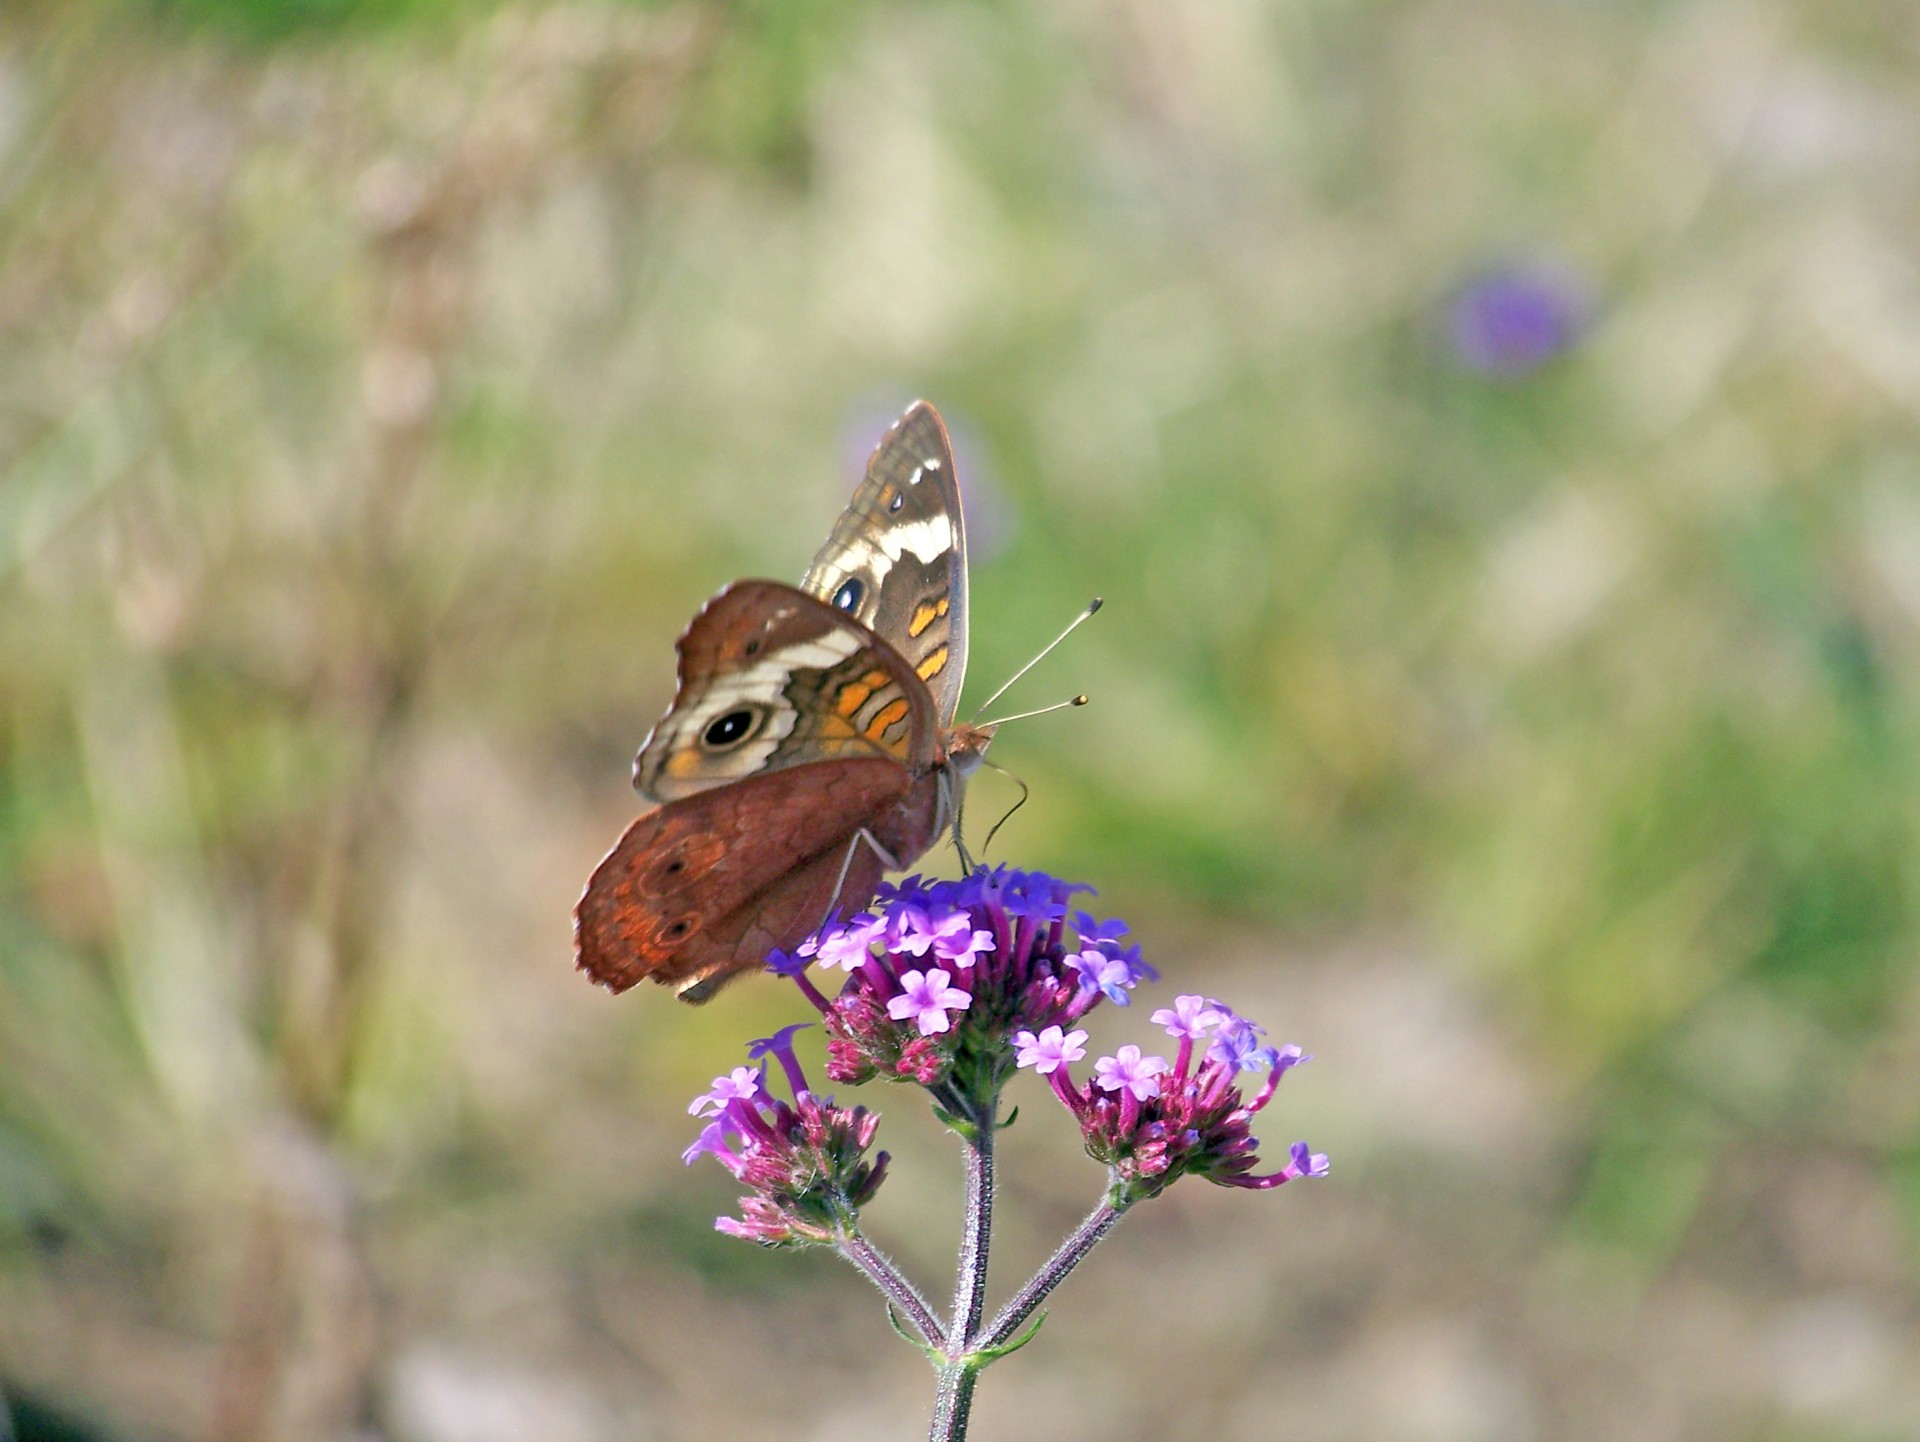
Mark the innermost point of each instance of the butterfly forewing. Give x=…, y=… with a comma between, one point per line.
x=897, y=557
x=772, y=678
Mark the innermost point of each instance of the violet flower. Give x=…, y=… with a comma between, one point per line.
x=1007, y=961
x=1153, y=1121
x=1510, y=321
x=804, y=1162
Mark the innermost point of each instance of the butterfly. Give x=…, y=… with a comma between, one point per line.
x=811, y=745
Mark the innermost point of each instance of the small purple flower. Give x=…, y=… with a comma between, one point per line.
x=957, y=940
x=780, y=1047
x=1108, y=975
x=849, y=946
x=1189, y=1018
x=1238, y=1044
x=1127, y=1069
x=1035, y=896
x=790, y=964
x=1510, y=321
x=1096, y=933
x=712, y=1141
x=909, y=929
x=1050, y=1050
x=742, y=1083
x=1306, y=1164
x=927, y=997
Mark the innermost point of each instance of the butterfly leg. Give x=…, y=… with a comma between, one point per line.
x=887, y=859
x=951, y=800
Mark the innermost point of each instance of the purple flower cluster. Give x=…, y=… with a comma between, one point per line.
x=955, y=985
x=1153, y=1121
x=942, y=973
x=804, y=1162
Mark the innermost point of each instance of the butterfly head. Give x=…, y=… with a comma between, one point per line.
x=965, y=746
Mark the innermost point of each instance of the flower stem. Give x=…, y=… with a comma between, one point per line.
x=960, y=1369
x=953, y=1402
x=877, y=1267
x=970, y=1281
x=1065, y=1258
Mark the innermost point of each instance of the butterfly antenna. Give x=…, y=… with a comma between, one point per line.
x=1072, y=626
x=1025, y=792
x=1079, y=700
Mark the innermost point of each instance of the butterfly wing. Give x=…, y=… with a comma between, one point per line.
x=897, y=558
x=772, y=678
x=703, y=888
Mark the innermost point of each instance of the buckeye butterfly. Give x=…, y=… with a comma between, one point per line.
x=811, y=744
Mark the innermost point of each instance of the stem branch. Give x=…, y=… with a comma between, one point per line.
x=1065, y=1258
x=877, y=1267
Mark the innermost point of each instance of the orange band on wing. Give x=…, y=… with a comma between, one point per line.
x=888, y=716
x=855, y=693
x=923, y=617
x=852, y=697
x=935, y=663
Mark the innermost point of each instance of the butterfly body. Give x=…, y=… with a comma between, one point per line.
x=810, y=745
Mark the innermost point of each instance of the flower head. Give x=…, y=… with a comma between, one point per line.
x=945, y=973
x=1153, y=1121
x=803, y=1162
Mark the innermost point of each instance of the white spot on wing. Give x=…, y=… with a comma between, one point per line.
x=929, y=539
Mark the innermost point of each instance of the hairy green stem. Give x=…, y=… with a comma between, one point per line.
x=1068, y=1255
x=877, y=1267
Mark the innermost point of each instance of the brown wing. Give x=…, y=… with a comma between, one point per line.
x=771, y=677
x=702, y=888
x=897, y=558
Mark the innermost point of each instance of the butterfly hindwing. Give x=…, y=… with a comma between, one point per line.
x=897, y=558
x=702, y=888
x=772, y=678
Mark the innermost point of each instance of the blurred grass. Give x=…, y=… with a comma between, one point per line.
x=381, y=387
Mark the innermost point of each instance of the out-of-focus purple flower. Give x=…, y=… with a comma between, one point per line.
x=1304, y=1163
x=803, y=1162
x=1153, y=1121
x=1511, y=320
x=1035, y=896
x=927, y=998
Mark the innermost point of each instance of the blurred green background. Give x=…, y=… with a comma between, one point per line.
x=1493, y=426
